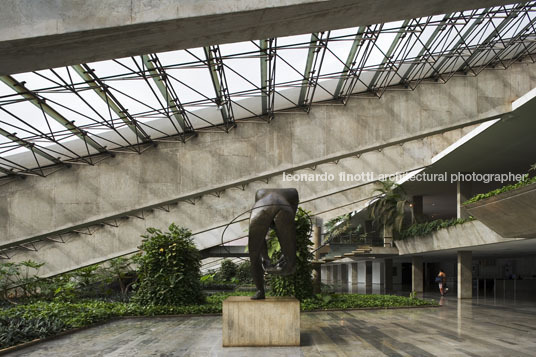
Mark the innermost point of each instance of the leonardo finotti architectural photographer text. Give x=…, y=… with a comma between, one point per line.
x=421, y=176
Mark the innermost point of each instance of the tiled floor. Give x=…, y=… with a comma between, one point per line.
x=467, y=328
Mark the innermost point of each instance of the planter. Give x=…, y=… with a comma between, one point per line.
x=468, y=234
x=511, y=214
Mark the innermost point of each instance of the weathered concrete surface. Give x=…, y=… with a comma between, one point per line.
x=274, y=321
x=510, y=214
x=85, y=196
x=468, y=234
x=39, y=34
x=210, y=214
x=81, y=195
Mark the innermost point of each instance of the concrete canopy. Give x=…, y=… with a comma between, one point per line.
x=52, y=33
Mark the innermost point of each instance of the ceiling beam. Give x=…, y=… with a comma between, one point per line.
x=29, y=145
x=161, y=80
x=388, y=55
x=89, y=76
x=350, y=62
x=219, y=81
x=41, y=104
x=268, y=59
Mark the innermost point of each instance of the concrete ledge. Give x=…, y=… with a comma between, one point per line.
x=53, y=33
x=274, y=321
x=510, y=214
x=464, y=235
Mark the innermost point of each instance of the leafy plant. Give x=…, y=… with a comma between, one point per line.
x=16, y=329
x=228, y=270
x=243, y=272
x=300, y=283
x=525, y=181
x=121, y=271
x=388, y=209
x=19, y=277
x=22, y=323
x=169, y=267
x=422, y=229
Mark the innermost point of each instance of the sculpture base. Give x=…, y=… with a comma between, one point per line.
x=274, y=321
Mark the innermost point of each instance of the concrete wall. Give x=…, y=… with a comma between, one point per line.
x=88, y=196
x=464, y=235
x=82, y=195
x=39, y=34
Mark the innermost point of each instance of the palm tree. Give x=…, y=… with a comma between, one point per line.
x=387, y=209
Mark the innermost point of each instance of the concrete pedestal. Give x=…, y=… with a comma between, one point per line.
x=274, y=321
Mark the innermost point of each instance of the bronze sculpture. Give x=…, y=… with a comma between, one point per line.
x=274, y=208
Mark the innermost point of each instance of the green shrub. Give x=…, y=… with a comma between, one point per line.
x=299, y=284
x=352, y=301
x=422, y=229
x=168, y=272
x=526, y=180
x=18, y=278
x=22, y=323
x=228, y=270
x=243, y=272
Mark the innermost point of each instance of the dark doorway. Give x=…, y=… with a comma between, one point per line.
x=406, y=275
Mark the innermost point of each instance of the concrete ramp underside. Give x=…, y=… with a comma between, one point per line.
x=101, y=211
x=53, y=33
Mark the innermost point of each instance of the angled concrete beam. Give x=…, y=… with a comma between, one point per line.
x=159, y=77
x=102, y=91
x=311, y=55
x=514, y=13
x=41, y=104
x=388, y=54
x=460, y=42
x=30, y=146
x=426, y=47
x=54, y=33
x=349, y=64
x=217, y=75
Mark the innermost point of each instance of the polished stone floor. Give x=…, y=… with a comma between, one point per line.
x=458, y=328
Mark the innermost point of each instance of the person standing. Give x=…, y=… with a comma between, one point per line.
x=442, y=280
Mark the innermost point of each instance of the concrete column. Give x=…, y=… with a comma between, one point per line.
x=463, y=193
x=336, y=274
x=317, y=278
x=324, y=274
x=417, y=275
x=364, y=277
x=465, y=275
x=377, y=277
x=344, y=277
x=388, y=275
x=354, y=273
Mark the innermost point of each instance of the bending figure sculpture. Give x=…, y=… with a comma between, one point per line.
x=274, y=208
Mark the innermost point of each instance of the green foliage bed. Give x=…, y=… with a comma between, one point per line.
x=40, y=319
x=528, y=179
x=422, y=229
